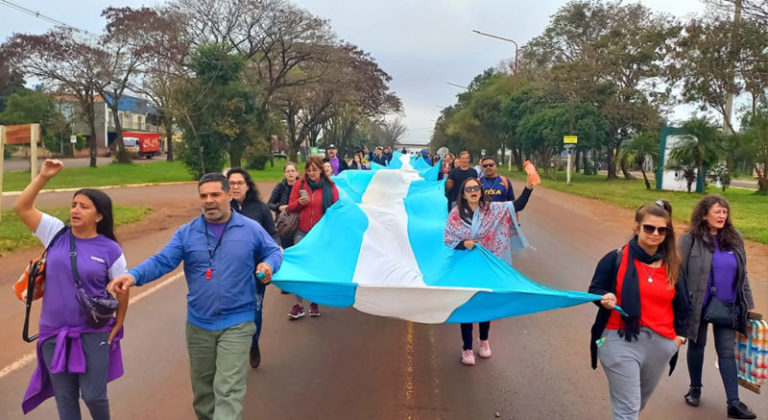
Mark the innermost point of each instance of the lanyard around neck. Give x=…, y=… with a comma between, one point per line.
x=212, y=252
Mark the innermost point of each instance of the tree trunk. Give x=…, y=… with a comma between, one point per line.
x=624, y=169
x=576, y=160
x=518, y=158
x=612, y=163
x=92, y=142
x=168, y=140
x=235, y=158
x=645, y=178
x=122, y=155
x=762, y=178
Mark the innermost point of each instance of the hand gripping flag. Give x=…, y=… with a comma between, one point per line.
x=380, y=249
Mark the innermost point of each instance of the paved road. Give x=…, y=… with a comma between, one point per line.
x=23, y=165
x=348, y=365
x=750, y=184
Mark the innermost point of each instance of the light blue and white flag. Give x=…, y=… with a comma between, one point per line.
x=380, y=249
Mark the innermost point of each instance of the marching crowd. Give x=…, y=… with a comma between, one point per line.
x=668, y=291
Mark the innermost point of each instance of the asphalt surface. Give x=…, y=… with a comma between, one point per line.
x=349, y=365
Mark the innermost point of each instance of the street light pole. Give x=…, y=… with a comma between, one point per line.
x=514, y=73
x=457, y=85
x=514, y=70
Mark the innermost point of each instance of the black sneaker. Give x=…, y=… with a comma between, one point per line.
x=693, y=397
x=739, y=410
x=255, y=357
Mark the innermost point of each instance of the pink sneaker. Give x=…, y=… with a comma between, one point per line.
x=297, y=312
x=485, y=349
x=314, y=311
x=468, y=357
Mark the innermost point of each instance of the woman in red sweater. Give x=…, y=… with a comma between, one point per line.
x=641, y=278
x=311, y=196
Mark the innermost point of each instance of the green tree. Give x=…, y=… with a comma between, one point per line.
x=608, y=54
x=36, y=107
x=219, y=120
x=755, y=125
x=639, y=149
x=11, y=81
x=702, y=146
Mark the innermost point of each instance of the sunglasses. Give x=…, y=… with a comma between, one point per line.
x=650, y=229
x=489, y=165
x=472, y=188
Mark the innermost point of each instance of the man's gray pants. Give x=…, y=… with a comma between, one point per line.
x=634, y=369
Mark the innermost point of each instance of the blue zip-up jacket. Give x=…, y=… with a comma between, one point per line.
x=229, y=297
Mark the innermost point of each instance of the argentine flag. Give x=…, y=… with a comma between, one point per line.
x=380, y=249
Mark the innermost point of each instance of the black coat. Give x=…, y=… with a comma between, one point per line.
x=280, y=195
x=258, y=211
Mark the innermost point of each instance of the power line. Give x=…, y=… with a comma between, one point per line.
x=39, y=15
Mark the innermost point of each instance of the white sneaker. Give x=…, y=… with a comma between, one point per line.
x=485, y=349
x=468, y=357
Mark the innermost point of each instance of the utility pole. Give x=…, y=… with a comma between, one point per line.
x=514, y=73
x=728, y=120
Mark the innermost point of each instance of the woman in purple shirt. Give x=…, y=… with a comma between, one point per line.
x=74, y=359
x=714, y=267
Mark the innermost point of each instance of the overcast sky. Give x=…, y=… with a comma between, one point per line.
x=422, y=44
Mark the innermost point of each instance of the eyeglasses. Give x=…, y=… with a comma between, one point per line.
x=650, y=229
x=472, y=188
x=489, y=165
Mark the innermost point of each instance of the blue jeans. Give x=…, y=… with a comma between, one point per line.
x=726, y=358
x=466, y=333
x=296, y=239
x=261, y=288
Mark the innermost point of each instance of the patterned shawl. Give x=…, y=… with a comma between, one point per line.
x=495, y=227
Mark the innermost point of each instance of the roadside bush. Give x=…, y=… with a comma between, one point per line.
x=719, y=173
x=257, y=155
x=9, y=150
x=201, y=156
x=55, y=144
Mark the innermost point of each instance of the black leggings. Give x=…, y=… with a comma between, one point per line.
x=466, y=333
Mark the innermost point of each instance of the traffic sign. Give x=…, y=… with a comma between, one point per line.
x=570, y=139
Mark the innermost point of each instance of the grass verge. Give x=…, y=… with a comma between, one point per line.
x=124, y=174
x=749, y=211
x=14, y=235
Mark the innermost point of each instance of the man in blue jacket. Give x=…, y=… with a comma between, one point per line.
x=222, y=253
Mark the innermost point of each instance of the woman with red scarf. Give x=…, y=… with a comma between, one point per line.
x=635, y=346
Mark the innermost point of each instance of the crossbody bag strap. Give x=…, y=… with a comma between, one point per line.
x=31, y=288
x=73, y=259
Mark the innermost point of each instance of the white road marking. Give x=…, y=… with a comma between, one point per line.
x=29, y=357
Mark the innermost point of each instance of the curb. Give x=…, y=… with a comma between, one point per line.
x=105, y=187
